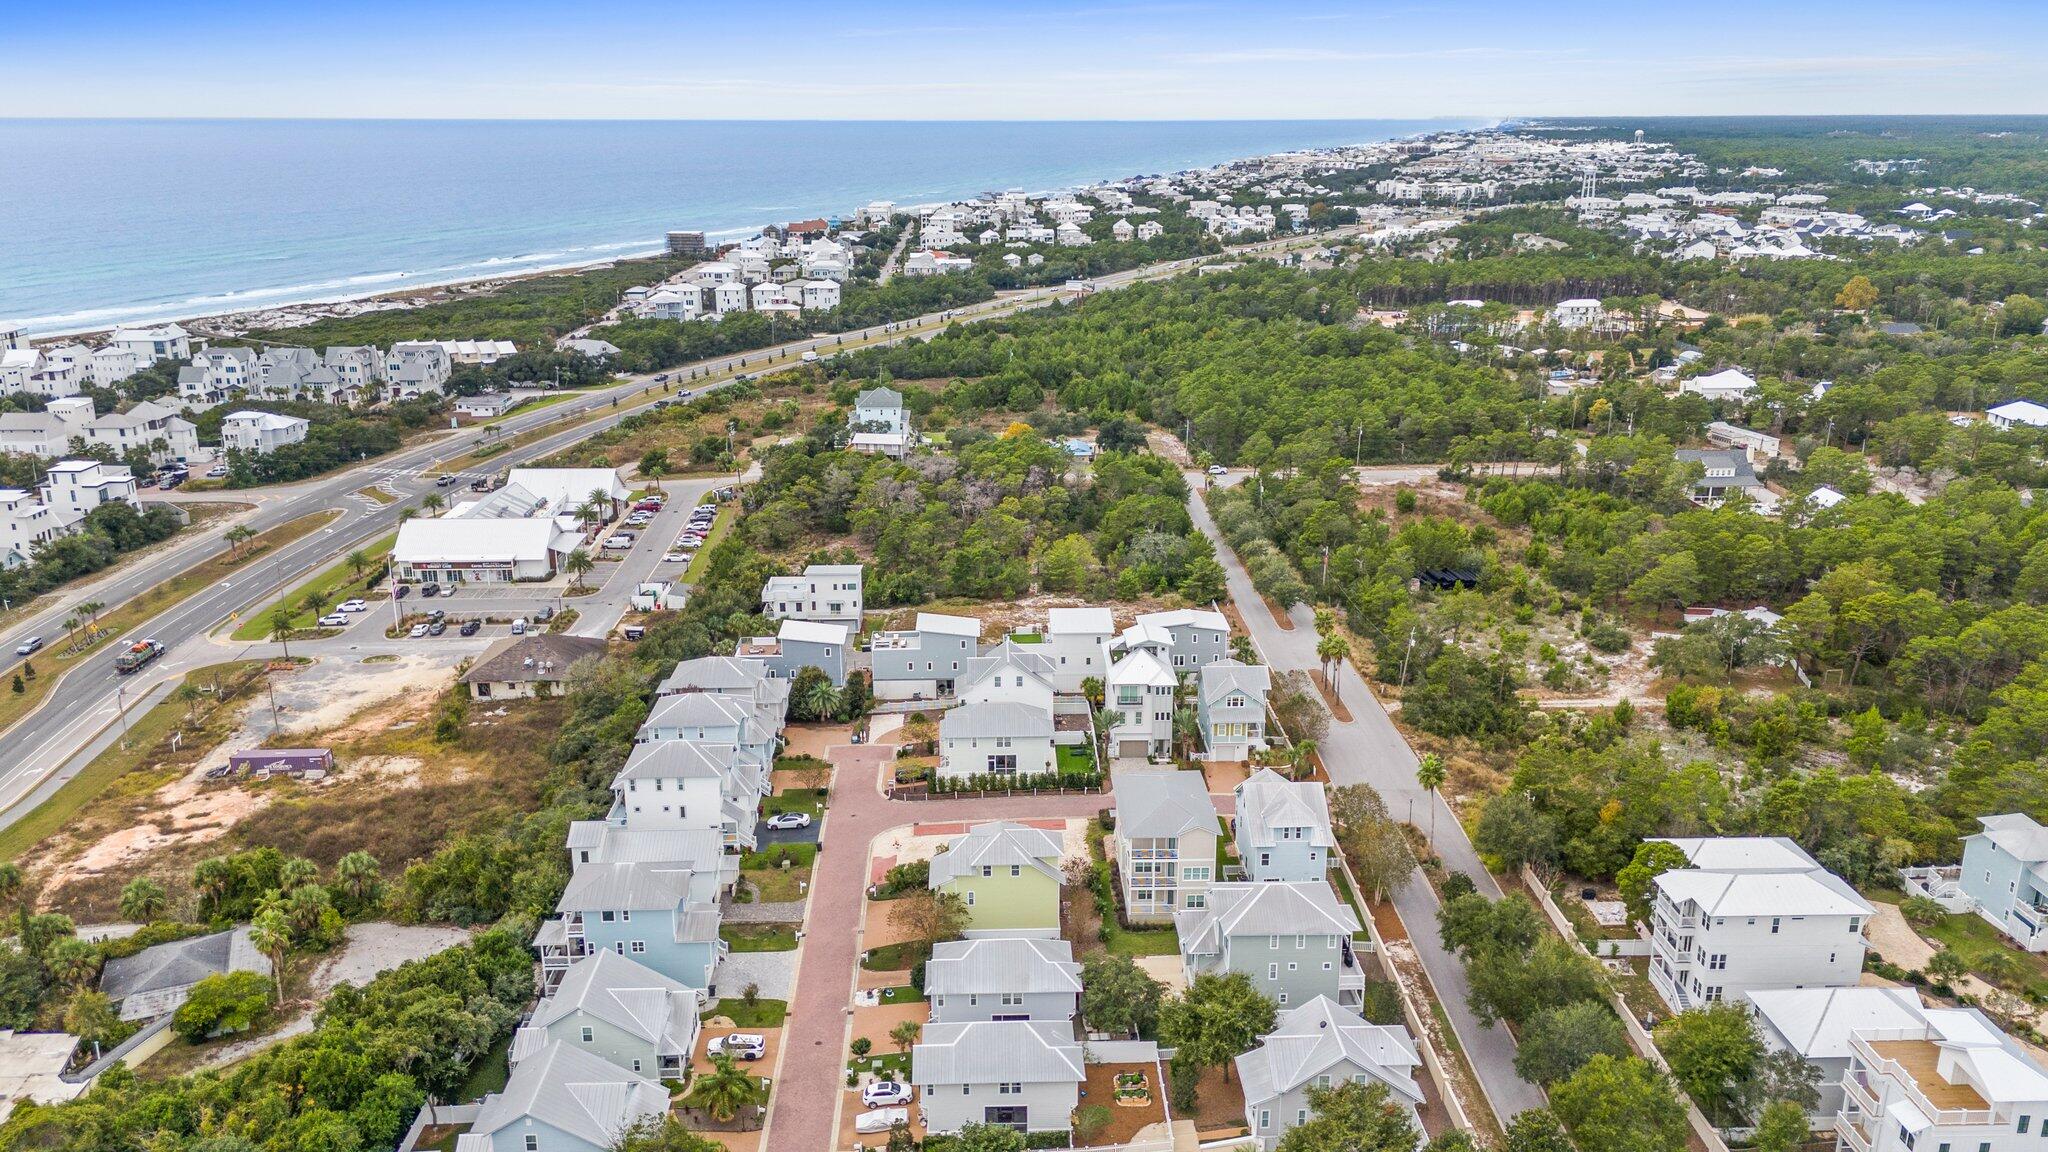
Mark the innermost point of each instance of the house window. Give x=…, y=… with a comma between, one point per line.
x=1016, y=869
x=1194, y=872
x=1273, y=971
x=639, y=947
x=988, y=870
x=1197, y=900
x=1013, y=1088
x=636, y=1065
x=587, y=1037
x=1283, y=999
x=1265, y=1119
x=1300, y=941
x=1718, y=961
x=606, y=917
x=1775, y=921
x=532, y=1143
x=2022, y=1129
x=970, y=897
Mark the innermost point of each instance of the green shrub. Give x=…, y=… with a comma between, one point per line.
x=221, y=1003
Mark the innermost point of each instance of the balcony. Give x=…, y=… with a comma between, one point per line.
x=1909, y=1060
x=1860, y=1093
x=1852, y=1136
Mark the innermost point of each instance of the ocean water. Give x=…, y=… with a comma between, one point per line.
x=112, y=221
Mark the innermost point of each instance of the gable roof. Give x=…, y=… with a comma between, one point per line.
x=1742, y=853
x=180, y=962
x=727, y=674
x=1140, y=666
x=879, y=398
x=1816, y=1022
x=997, y=844
x=534, y=657
x=1308, y=1041
x=678, y=760
x=1163, y=804
x=1079, y=622
x=995, y=718
x=995, y=964
x=998, y=1051
x=1249, y=908
x=1186, y=618
x=569, y=1089
x=1815, y=893
x=2017, y=835
x=1219, y=678
x=627, y=995
x=942, y=624
x=609, y=887
x=1269, y=801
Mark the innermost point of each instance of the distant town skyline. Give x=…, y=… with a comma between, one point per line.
x=1058, y=60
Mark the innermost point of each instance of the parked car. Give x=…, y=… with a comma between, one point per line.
x=783, y=821
x=437, y=615
x=216, y=472
x=881, y=1093
x=353, y=604
x=678, y=556
x=743, y=1045
x=470, y=627
x=29, y=646
x=418, y=630
x=546, y=613
x=400, y=591
x=661, y=378
x=170, y=482
x=437, y=627
x=334, y=620
x=519, y=626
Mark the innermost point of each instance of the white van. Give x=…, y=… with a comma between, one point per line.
x=519, y=626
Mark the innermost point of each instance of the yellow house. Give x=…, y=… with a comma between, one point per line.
x=1009, y=877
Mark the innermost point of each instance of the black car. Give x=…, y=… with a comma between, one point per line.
x=437, y=627
x=546, y=613
x=430, y=590
x=470, y=627
x=400, y=591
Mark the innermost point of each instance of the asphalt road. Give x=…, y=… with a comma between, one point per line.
x=92, y=696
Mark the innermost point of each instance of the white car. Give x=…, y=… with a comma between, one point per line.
x=353, y=606
x=418, y=630
x=1217, y=470
x=334, y=620
x=678, y=557
x=217, y=471
x=740, y=1045
x=783, y=821
x=882, y=1093
x=29, y=646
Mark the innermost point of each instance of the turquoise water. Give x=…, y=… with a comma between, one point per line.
x=110, y=221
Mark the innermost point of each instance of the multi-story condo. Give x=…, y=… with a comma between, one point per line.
x=415, y=368
x=147, y=427
x=1186, y=638
x=797, y=645
x=261, y=433
x=1292, y=940
x=826, y=593
x=1002, y=978
x=214, y=375
x=1166, y=834
x=1752, y=914
x=356, y=369
x=1230, y=707
x=1955, y=1082
x=1022, y=1074
x=2004, y=874
x=1283, y=828
x=27, y=523
x=83, y=485
x=1074, y=639
x=1322, y=1044
x=923, y=662
x=715, y=718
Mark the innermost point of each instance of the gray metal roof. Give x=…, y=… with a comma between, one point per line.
x=1219, y=678
x=998, y=1051
x=1248, y=908
x=997, y=844
x=1163, y=804
x=1269, y=801
x=996, y=964
x=1309, y=1041
x=692, y=849
x=678, y=760
x=723, y=674
x=631, y=887
x=627, y=995
x=567, y=1088
x=879, y=398
x=995, y=718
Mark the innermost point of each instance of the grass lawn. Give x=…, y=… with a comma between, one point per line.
x=777, y=885
x=1141, y=941
x=896, y=957
x=878, y=1062
x=759, y=937
x=759, y=1014
x=148, y=734
x=802, y=800
x=51, y=663
x=376, y=495
x=728, y=513
x=1026, y=638
x=334, y=585
x=1074, y=759
x=1972, y=936
x=799, y=855
x=489, y=1074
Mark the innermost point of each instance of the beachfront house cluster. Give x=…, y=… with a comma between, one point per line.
x=785, y=271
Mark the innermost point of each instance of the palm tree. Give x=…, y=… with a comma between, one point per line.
x=358, y=874
x=597, y=508
x=724, y=1090
x=578, y=564
x=358, y=561
x=432, y=502
x=820, y=699
x=189, y=695
x=272, y=936
x=235, y=537
x=1429, y=772
x=214, y=877
x=72, y=961
x=91, y=609
x=405, y=514
x=143, y=900
x=313, y=603
x=1187, y=727
x=904, y=1035
x=1299, y=754
x=297, y=872
x=281, y=629
x=1332, y=650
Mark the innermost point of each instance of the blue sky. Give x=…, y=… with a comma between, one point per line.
x=1050, y=59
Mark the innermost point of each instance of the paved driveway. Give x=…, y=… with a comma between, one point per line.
x=814, y=1051
x=1370, y=750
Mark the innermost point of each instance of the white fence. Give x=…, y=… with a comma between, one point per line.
x=442, y=1114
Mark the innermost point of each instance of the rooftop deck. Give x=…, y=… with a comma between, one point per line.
x=1920, y=1059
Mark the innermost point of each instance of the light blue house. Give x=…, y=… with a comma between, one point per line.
x=640, y=911
x=1283, y=828
x=2005, y=875
x=563, y=1099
